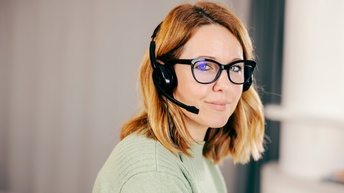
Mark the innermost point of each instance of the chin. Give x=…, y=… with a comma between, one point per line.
x=218, y=124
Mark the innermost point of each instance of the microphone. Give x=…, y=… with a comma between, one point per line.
x=191, y=109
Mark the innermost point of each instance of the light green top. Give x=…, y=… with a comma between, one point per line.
x=139, y=164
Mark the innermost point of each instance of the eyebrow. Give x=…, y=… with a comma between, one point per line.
x=213, y=58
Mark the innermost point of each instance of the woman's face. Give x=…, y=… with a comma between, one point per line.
x=216, y=101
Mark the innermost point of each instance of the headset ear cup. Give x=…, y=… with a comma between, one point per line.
x=172, y=77
x=164, y=77
x=247, y=85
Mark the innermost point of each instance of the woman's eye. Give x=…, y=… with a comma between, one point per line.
x=236, y=68
x=203, y=66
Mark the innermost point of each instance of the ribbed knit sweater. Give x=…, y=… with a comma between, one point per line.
x=140, y=164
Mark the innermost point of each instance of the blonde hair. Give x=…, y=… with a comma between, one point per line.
x=242, y=136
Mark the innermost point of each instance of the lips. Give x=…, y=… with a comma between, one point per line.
x=218, y=105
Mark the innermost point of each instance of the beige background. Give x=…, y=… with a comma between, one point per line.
x=68, y=73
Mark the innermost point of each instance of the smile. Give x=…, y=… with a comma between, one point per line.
x=219, y=106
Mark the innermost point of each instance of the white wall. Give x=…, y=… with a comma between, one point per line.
x=68, y=72
x=312, y=110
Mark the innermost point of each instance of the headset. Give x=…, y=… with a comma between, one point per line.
x=165, y=79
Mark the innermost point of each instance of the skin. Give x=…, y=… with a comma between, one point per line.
x=216, y=101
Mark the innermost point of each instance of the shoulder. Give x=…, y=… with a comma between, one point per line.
x=155, y=182
x=138, y=159
x=141, y=154
x=138, y=148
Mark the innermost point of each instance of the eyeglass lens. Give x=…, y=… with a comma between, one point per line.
x=209, y=71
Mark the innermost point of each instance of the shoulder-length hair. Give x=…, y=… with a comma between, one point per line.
x=242, y=136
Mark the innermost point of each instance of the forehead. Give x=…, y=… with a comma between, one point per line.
x=213, y=41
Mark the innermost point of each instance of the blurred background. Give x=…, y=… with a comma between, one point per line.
x=68, y=81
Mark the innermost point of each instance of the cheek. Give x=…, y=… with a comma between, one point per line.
x=187, y=89
x=189, y=93
x=236, y=93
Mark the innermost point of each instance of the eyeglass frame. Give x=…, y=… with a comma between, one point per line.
x=226, y=67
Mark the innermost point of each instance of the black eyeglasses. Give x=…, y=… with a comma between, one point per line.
x=206, y=71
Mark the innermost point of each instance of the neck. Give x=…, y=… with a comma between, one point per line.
x=196, y=132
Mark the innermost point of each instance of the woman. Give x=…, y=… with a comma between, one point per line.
x=198, y=107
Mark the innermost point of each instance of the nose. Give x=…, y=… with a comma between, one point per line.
x=223, y=82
